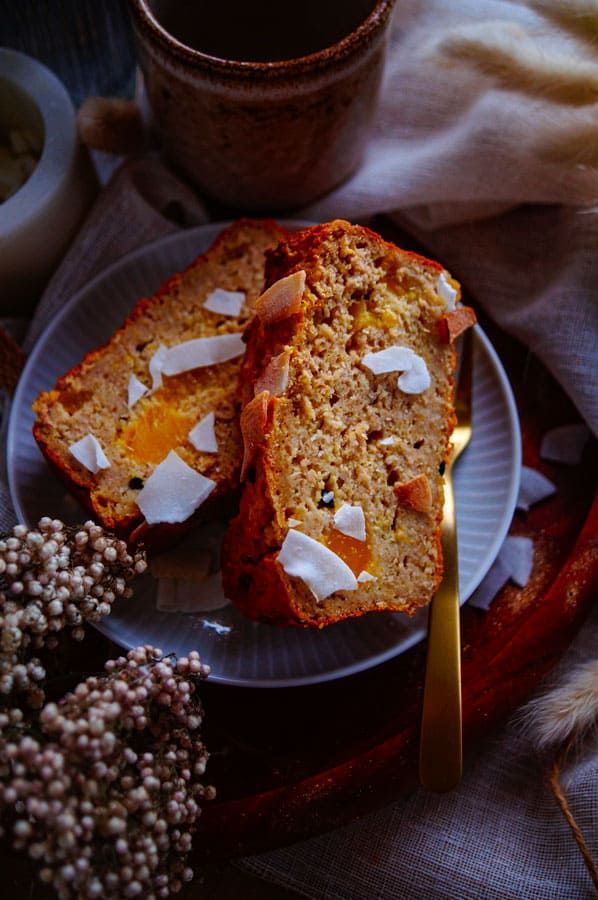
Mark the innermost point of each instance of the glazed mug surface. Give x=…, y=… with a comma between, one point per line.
x=265, y=106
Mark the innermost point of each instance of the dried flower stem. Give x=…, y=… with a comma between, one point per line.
x=552, y=774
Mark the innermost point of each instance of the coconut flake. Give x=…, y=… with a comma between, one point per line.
x=364, y=576
x=292, y=523
x=253, y=421
x=445, y=290
x=322, y=570
x=495, y=580
x=415, y=377
x=517, y=553
x=282, y=299
x=173, y=491
x=275, y=376
x=179, y=595
x=533, y=487
x=203, y=435
x=89, y=453
x=415, y=380
x=135, y=390
x=565, y=444
x=387, y=441
x=392, y=359
x=202, y=352
x=227, y=303
x=327, y=496
x=156, y=364
x=350, y=520
x=514, y=561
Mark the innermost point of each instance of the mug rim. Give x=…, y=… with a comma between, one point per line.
x=334, y=53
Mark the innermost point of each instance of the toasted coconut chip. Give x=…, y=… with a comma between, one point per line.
x=415, y=494
x=445, y=289
x=226, y=303
x=565, y=444
x=89, y=453
x=495, y=580
x=156, y=364
x=364, y=576
x=350, y=520
x=135, y=391
x=387, y=441
x=203, y=435
x=415, y=378
x=275, y=376
x=201, y=352
x=173, y=491
x=455, y=323
x=322, y=570
x=254, y=418
x=282, y=299
x=533, y=487
x=179, y=595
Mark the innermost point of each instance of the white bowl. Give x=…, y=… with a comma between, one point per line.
x=38, y=222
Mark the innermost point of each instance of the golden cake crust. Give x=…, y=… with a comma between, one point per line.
x=91, y=397
x=285, y=476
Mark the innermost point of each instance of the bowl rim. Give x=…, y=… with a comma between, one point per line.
x=49, y=96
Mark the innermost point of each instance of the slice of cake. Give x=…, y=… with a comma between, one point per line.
x=347, y=389
x=145, y=429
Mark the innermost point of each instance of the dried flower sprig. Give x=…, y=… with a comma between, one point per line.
x=107, y=793
x=51, y=578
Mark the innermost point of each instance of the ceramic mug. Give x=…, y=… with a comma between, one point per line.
x=253, y=133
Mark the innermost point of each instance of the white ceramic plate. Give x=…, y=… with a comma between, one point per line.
x=239, y=651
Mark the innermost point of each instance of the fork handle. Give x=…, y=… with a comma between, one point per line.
x=441, y=748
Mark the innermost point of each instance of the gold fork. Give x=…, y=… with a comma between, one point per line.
x=441, y=746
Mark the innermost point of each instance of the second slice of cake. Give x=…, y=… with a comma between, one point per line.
x=145, y=429
x=347, y=389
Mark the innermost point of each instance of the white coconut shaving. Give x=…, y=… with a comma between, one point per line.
x=135, y=391
x=415, y=377
x=155, y=366
x=173, y=491
x=387, y=441
x=350, y=520
x=292, y=523
x=517, y=553
x=364, y=577
x=494, y=581
x=226, y=303
x=565, y=444
x=533, y=487
x=322, y=570
x=514, y=561
x=445, y=290
x=89, y=453
x=203, y=435
x=201, y=352
x=179, y=595
x=328, y=497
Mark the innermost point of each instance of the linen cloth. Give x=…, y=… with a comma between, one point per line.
x=468, y=166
